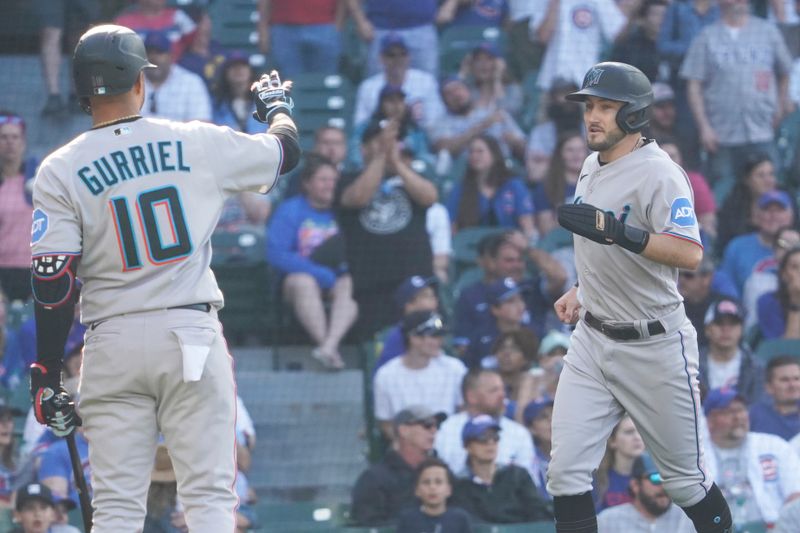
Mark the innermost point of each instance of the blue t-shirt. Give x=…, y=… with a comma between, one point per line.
x=453, y=520
x=484, y=13
x=56, y=463
x=765, y=419
x=542, y=203
x=744, y=255
x=617, y=492
x=400, y=14
x=510, y=201
x=295, y=231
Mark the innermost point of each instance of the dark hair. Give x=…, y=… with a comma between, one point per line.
x=555, y=184
x=222, y=92
x=783, y=290
x=778, y=361
x=405, y=125
x=647, y=4
x=311, y=164
x=431, y=462
x=524, y=339
x=325, y=127
x=468, y=205
x=470, y=380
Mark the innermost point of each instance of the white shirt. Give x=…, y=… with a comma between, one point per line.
x=724, y=374
x=437, y=386
x=422, y=94
x=626, y=518
x=437, y=223
x=795, y=443
x=183, y=97
x=515, y=446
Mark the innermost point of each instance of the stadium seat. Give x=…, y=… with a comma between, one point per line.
x=235, y=23
x=530, y=106
x=769, y=348
x=457, y=41
x=530, y=527
x=556, y=238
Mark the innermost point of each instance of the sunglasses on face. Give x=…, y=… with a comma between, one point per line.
x=396, y=53
x=433, y=327
x=487, y=438
x=428, y=424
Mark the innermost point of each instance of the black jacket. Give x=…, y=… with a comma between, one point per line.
x=382, y=491
x=751, y=375
x=511, y=498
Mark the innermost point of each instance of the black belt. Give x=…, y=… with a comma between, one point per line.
x=204, y=308
x=622, y=332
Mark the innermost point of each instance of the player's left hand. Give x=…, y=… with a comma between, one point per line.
x=601, y=227
x=271, y=96
x=53, y=405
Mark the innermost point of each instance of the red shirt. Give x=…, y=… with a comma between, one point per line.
x=302, y=12
x=16, y=215
x=703, y=197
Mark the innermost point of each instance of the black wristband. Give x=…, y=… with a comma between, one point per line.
x=633, y=239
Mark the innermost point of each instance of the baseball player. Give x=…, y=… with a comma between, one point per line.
x=129, y=207
x=633, y=349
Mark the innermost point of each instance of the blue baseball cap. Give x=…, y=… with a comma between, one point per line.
x=720, y=399
x=158, y=41
x=644, y=466
x=775, y=197
x=391, y=90
x=392, y=40
x=533, y=409
x=501, y=290
x=477, y=426
x=410, y=287
x=487, y=48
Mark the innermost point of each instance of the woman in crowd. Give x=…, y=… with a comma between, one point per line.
x=560, y=181
x=516, y=352
x=488, y=195
x=779, y=311
x=614, y=473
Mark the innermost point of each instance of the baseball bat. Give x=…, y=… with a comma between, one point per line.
x=80, y=483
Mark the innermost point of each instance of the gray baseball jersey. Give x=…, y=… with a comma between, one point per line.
x=645, y=189
x=163, y=184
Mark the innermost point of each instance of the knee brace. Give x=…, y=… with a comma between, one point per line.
x=711, y=514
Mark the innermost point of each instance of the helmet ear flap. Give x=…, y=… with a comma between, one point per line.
x=632, y=121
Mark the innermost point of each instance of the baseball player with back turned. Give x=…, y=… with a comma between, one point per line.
x=633, y=349
x=129, y=207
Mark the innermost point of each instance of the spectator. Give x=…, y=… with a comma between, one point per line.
x=538, y=418
x=778, y=412
x=171, y=91
x=420, y=87
x=650, y=510
x=484, y=70
x=483, y=394
x=55, y=469
x=789, y=520
x=737, y=89
x=695, y=288
x=204, y=56
x=662, y=114
x=753, y=251
x=232, y=102
x=302, y=35
x=382, y=216
x=463, y=121
x=756, y=472
x=423, y=375
x=524, y=52
x=392, y=105
x=638, y=46
x=561, y=178
x=481, y=13
x=516, y=352
x=55, y=16
x=10, y=475
x=331, y=143
x=414, y=22
x=433, y=486
x=488, y=195
x=386, y=488
x=785, y=15
x=683, y=21
x=163, y=511
x=779, y=311
x=35, y=511
x=705, y=206
x=574, y=32
x=154, y=16
x=562, y=116
x=614, y=473
x=499, y=494
x=726, y=362
x=414, y=294
x=304, y=244
x=16, y=211
x=738, y=213
x=765, y=280
x=552, y=350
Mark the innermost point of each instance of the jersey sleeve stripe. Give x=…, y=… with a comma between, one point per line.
x=685, y=238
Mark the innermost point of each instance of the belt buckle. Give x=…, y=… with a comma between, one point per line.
x=622, y=333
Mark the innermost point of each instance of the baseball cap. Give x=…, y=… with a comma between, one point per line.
x=158, y=41
x=486, y=48
x=391, y=90
x=775, y=197
x=410, y=287
x=392, y=40
x=662, y=93
x=477, y=426
x=501, y=290
x=722, y=308
x=551, y=341
x=533, y=409
x=414, y=414
x=237, y=57
x=34, y=491
x=643, y=466
x=423, y=323
x=720, y=399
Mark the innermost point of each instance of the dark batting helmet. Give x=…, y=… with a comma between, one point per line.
x=107, y=61
x=623, y=83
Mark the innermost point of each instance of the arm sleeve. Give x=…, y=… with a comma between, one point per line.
x=523, y=205
x=770, y=317
x=383, y=403
x=437, y=222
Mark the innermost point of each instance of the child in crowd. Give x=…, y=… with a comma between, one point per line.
x=434, y=486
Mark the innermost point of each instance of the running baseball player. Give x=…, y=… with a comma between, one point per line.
x=633, y=349
x=129, y=207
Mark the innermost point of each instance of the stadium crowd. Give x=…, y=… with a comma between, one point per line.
x=371, y=239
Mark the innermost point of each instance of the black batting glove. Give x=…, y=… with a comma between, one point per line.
x=601, y=227
x=271, y=97
x=52, y=404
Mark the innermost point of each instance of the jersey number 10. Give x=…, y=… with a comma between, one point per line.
x=153, y=209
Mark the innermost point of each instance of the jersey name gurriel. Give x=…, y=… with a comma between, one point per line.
x=134, y=162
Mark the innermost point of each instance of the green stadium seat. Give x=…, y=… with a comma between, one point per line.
x=467, y=278
x=786, y=140
x=465, y=245
x=457, y=41
x=556, y=238
x=530, y=106
x=769, y=348
x=235, y=23
x=18, y=313
x=752, y=527
x=301, y=517
x=530, y=527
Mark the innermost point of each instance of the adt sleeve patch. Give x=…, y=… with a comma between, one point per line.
x=682, y=213
x=39, y=225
